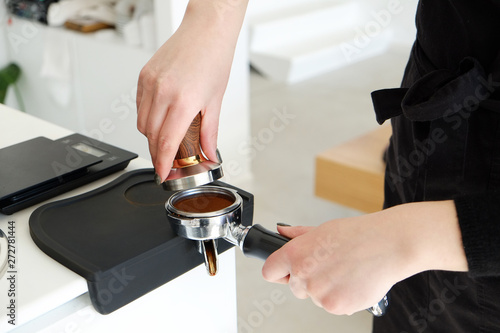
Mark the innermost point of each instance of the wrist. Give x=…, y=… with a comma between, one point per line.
x=428, y=237
x=223, y=17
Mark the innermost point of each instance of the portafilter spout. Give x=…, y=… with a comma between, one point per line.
x=208, y=213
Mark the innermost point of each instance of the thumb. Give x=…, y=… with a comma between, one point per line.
x=292, y=232
x=208, y=132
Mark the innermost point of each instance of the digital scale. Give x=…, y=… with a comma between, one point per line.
x=38, y=169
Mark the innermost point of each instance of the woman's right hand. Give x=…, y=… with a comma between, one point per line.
x=187, y=75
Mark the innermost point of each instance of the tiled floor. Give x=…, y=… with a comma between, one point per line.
x=315, y=115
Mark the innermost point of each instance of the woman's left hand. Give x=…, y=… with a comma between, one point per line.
x=348, y=265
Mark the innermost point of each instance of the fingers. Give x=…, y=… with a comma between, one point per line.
x=143, y=106
x=173, y=130
x=157, y=114
x=316, y=302
x=283, y=280
x=294, y=264
x=209, y=131
x=292, y=232
x=164, y=120
x=339, y=265
x=144, y=98
x=145, y=95
x=165, y=124
x=152, y=114
x=138, y=96
x=298, y=287
x=277, y=267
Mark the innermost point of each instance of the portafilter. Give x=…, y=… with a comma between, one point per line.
x=208, y=213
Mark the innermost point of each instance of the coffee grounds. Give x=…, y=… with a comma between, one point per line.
x=203, y=203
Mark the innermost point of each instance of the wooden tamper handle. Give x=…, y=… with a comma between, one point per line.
x=189, y=152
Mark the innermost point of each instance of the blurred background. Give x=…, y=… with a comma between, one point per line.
x=300, y=84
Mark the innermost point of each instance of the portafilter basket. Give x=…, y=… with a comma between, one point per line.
x=208, y=213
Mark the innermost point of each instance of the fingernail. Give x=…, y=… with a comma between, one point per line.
x=219, y=158
x=283, y=224
x=157, y=179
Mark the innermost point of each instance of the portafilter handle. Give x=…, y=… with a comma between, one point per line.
x=259, y=242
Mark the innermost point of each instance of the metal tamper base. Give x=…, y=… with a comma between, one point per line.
x=192, y=176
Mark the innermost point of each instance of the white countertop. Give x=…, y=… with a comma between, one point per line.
x=42, y=284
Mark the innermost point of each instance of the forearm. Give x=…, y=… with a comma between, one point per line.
x=429, y=235
x=221, y=18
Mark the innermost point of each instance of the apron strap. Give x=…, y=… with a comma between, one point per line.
x=387, y=103
x=437, y=94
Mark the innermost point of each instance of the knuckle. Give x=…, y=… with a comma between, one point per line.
x=146, y=77
x=141, y=128
x=331, y=304
x=141, y=125
x=314, y=288
x=161, y=91
x=266, y=274
x=301, y=269
x=181, y=101
x=152, y=136
x=151, y=82
x=165, y=145
x=301, y=265
x=297, y=288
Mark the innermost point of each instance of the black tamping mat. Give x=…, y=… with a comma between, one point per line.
x=119, y=239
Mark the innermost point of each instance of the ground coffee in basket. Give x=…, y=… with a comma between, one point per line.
x=203, y=203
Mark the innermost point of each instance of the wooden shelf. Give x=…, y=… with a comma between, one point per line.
x=352, y=174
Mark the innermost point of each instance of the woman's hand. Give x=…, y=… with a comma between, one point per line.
x=347, y=265
x=187, y=75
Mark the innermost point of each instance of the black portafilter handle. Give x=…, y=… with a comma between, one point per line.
x=260, y=243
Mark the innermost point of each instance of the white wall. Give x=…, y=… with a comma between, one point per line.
x=3, y=45
x=264, y=7
x=403, y=23
x=401, y=19
x=406, y=22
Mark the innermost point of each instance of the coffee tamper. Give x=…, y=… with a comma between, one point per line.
x=190, y=167
x=209, y=213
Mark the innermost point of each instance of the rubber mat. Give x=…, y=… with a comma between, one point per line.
x=119, y=239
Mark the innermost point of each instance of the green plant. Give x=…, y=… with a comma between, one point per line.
x=8, y=75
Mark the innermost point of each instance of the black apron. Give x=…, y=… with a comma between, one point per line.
x=445, y=144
